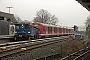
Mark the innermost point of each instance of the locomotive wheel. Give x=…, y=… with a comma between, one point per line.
x=29, y=38
x=36, y=36
x=15, y=38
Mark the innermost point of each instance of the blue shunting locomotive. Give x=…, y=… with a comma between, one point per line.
x=24, y=31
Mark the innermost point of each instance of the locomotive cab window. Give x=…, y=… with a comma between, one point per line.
x=27, y=26
x=17, y=27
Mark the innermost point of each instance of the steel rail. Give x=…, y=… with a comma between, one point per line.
x=15, y=51
x=15, y=47
x=77, y=55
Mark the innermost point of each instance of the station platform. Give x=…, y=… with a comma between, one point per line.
x=6, y=36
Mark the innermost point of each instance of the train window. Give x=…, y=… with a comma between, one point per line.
x=32, y=28
x=16, y=27
x=55, y=29
x=49, y=29
x=66, y=30
x=59, y=30
x=63, y=30
x=27, y=26
x=69, y=30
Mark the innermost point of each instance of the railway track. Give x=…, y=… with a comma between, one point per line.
x=13, y=48
x=79, y=55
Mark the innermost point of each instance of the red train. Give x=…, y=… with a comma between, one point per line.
x=48, y=30
x=27, y=29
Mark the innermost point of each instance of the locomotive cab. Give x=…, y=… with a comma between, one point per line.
x=24, y=31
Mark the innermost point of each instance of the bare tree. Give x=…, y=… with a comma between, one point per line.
x=53, y=20
x=88, y=23
x=44, y=16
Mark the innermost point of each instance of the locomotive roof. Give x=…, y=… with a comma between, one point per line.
x=27, y=21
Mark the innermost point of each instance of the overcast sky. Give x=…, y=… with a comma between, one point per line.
x=69, y=12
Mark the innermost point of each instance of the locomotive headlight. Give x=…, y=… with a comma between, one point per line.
x=28, y=32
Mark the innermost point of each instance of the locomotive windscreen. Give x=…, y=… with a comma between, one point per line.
x=27, y=26
x=17, y=26
x=22, y=28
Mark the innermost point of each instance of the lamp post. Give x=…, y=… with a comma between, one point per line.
x=9, y=13
x=9, y=9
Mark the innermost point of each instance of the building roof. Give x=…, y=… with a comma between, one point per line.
x=85, y=3
x=13, y=17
